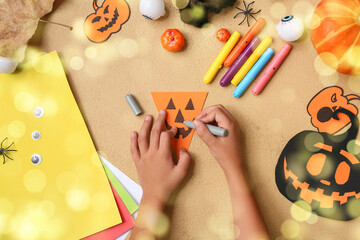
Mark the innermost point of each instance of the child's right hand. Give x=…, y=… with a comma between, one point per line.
x=226, y=150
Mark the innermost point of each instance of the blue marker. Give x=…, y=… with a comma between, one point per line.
x=251, y=75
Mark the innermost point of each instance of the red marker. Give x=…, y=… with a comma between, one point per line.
x=271, y=69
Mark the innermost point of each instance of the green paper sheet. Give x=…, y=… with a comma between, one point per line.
x=124, y=195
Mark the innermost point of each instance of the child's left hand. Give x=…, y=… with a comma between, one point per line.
x=151, y=151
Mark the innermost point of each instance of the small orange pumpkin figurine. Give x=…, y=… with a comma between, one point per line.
x=106, y=20
x=172, y=40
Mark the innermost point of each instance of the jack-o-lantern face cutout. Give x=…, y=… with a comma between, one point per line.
x=323, y=168
x=322, y=107
x=180, y=107
x=106, y=20
x=179, y=119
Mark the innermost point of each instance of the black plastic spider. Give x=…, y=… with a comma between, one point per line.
x=247, y=12
x=3, y=151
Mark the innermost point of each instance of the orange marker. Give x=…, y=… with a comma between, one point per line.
x=244, y=42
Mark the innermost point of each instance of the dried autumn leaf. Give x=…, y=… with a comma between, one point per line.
x=18, y=23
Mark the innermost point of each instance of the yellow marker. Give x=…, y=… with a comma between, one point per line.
x=217, y=64
x=265, y=43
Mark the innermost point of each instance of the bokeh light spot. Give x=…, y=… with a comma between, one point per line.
x=24, y=101
x=300, y=211
x=311, y=139
x=77, y=199
x=322, y=68
x=90, y=52
x=46, y=209
x=16, y=129
x=43, y=63
x=220, y=225
x=128, y=48
x=313, y=218
x=76, y=63
x=302, y=9
x=353, y=147
x=50, y=106
x=290, y=228
x=180, y=4
x=34, y=180
x=315, y=21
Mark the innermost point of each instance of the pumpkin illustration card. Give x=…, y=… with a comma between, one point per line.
x=53, y=185
x=180, y=107
x=321, y=169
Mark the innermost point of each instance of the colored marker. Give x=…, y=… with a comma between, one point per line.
x=225, y=80
x=135, y=108
x=265, y=43
x=271, y=69
x=217, y=131
x=244, y=84
x=217, y=64
x=255, y=29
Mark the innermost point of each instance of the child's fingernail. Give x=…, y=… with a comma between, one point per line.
x=148, y=117
x=182, y=150
x=133, y=134
x=196, y=123
x=173, y=128
x=162, y=112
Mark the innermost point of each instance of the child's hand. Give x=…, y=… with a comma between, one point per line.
x=226, y=150
x=151, y=151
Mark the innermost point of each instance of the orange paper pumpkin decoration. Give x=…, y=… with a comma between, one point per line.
x=106, y=20
x=180, y=106
x=322, y=106
x=335, y=34
x=322, y=167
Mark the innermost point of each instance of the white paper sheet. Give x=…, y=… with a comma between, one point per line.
x=131, y=187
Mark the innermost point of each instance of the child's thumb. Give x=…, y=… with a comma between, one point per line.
x=204, y=133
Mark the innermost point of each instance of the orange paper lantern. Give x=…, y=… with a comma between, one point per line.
x=335, y=34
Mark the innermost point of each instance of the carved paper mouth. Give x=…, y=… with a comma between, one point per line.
x=180, y=132
x=326, y=201
x=110, y=24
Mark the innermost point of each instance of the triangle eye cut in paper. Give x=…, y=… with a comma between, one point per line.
x=180, y=106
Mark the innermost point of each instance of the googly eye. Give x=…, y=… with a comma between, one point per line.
x=38, y=112
x=287, y=18
x=290, y=28
x=36, y=135
x=36, y=159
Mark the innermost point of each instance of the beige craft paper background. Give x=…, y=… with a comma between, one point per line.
x=133, y=61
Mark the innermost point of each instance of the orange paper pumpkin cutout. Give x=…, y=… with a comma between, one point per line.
x=106, y=20
x=180, y=106
x=323, y=105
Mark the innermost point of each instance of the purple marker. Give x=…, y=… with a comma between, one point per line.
x=226, y=79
